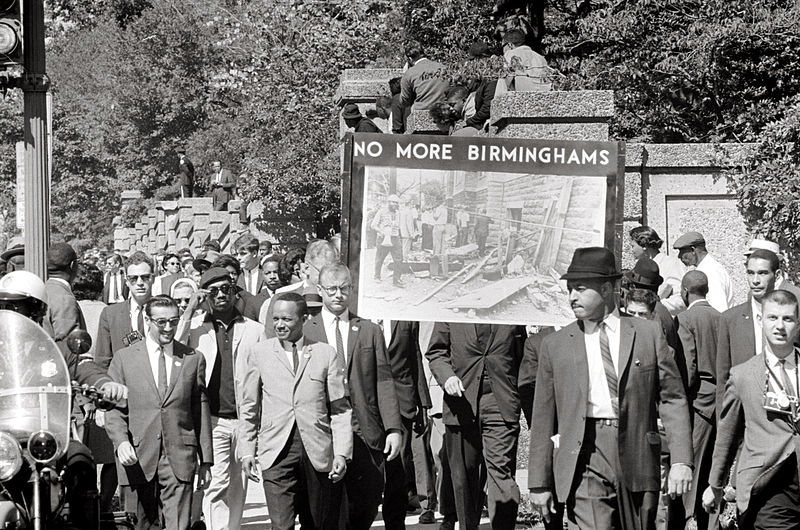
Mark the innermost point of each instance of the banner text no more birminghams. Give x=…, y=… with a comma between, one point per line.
x=544, y=157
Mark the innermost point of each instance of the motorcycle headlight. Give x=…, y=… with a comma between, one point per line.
x=10, y=456
x=43, y=446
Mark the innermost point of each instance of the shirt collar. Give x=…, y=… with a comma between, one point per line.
x=697, y=302
x=62, y=281
x=152, y=346
x=237, y=317
x=611, y=320
x=287, y=346
x=774, y=362
x=134, y=305
x=328, y=317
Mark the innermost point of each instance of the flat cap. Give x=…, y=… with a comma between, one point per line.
x=689, y=239
x=214, y=274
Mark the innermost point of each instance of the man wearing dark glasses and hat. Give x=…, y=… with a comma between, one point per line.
x=602, y=383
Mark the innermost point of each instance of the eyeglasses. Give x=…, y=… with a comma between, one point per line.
x=331, y=291
x=182, y=300
x=134, y=278
x=225, y=288
x=162, y=322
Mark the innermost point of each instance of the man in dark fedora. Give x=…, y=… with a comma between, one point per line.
x=602, y=383
x=352, y=118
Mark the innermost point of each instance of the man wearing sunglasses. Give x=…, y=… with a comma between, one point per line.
x=121, y=324
x=377, y=423
x=166, y=429
x=220, y=334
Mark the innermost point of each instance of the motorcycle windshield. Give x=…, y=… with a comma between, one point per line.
x=35, y=390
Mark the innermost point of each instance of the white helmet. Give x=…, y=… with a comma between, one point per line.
x=18, y=285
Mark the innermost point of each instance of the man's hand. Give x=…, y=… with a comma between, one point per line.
x=680, y=480
x=454, y=387
x=114, y=391
x=543, y=503
x=394, y=443
x=338, y=469
x=127, y=454
x=204, y=476
x=250, y=467
x=711, y=499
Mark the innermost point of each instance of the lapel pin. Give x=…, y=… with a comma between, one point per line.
x=637, y=362
x=355, y=328
x=177, y=363
x=306, y=355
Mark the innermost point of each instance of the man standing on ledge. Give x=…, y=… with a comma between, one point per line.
x=691, y=248
x=596, y=444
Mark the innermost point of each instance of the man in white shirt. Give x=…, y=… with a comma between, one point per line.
x=647, y=243
x=761, y=401
x=692, y=252
x=251, y=279
x=114, y=287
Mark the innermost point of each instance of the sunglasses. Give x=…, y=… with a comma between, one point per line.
x=161, y=323
x=182, y=300
x=225, y=288
x=331, y=291
x=134, y=278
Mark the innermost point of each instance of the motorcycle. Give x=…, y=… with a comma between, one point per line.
x=41, y=471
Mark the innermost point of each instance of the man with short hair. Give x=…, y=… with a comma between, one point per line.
x=376, y=416
x=115, y=289
x=646, y=243
x=528, y=68
x=63, y=313
x=264, y=251
x=782, y=281
x=698, y=328
x=602, y=383
x=220, y=335
x=641, y=303
x=251, y=278
x=692, y=252
x=425, y=82
x=387, y=225
x=166, y=429
x=740, y=330
x=222, y=186
x=295, y=421
x=761, y=401
x=186, y=172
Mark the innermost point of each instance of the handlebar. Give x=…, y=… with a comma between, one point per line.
x=93, y=395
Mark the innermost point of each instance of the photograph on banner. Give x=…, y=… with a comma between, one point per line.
x=482, y=235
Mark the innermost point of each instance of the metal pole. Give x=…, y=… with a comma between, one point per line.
x=37, y=188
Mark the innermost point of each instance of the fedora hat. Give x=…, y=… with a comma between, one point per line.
x=645, y=274
x=351, y=111
x=592, y=262
x=16, y=247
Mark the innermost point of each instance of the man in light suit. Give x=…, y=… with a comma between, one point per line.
x=296, y=414
x=376, y=416
x=599, y=380
x=761, y=402
x=222, y=186
x=478, y=367
x=221, y=335
x=698, y=328
x=740, y=331
x=252, y=278
x=63, y=313
x=114, y=287
x=166, y=429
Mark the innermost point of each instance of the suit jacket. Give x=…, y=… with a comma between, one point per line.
x=165, y=283
x=115, y=323
x=736, y=343
x=181, y=422
x=484, y=95
x=454, y=350
x=275, y=399
x=224, y=193
x=63, y=312
x=405, y=360
x=107, y=288
x=186, y=170
x=366, y=125
x=201, y=336
x=768, y=437
x=648, y=377
x=698, y=328
x=369, y=379
x=527, y=371
x=261, y=282
x=423, y=85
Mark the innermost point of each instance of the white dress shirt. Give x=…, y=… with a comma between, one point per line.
x=329, y=323
x=115, y=288
x=287, y=349
x=135, y=309
x=758, y=330
x=774, y=363
x=386, y=327
x=599, y=403
x=672, y=270
x=251, y=279
x=152, y=354
x=720, y=287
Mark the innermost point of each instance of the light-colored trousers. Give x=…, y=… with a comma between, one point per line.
x=223, y=502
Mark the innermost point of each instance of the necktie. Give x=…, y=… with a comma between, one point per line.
x=139, y=321
x=295, y=360
x=608, y=366
x=787, y=383
x=339, y=342
x=162, y=373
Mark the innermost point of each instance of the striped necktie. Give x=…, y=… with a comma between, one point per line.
x=608, y=366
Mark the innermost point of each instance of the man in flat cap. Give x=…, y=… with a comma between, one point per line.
x=63, y=313
x=602, y=383
x=691, y=248
x=353, y=119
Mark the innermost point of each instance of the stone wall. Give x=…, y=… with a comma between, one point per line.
x=671, y=187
